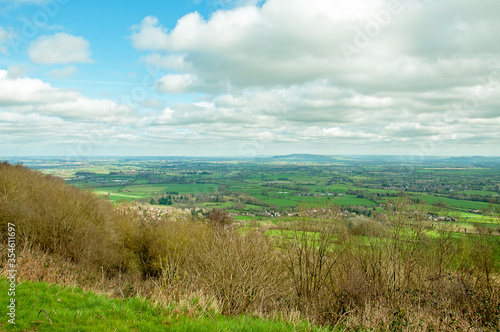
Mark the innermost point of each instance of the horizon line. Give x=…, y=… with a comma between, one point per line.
x=250, y=157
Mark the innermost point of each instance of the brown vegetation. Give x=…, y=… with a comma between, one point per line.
x=386, y=274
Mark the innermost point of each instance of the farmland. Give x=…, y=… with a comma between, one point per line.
x=465, y=189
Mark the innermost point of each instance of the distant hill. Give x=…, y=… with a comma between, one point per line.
x=392, y=159
x=477, y=160
x=301, y=158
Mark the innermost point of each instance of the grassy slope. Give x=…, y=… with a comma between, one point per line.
x=76, y=310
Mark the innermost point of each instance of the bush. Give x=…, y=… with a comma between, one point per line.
x=62, y=219
x=241, y=272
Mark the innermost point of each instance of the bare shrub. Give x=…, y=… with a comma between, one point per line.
x=240, y=271
x=219, y=217
x=311, y=250
x=62, y=219
x=364, y=226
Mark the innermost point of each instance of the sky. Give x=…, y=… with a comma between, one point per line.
x=249, y=78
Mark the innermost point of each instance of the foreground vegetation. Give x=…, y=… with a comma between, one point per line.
x=396, y=271
x=46, y=307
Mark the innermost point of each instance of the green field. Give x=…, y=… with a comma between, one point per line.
x=459, y=204
x=451, y=187
x=145, y=191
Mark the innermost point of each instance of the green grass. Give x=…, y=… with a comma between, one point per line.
x=475, y=218
x=146, y=191
x=456, y=203
x=106, y=189
x=479, y=192
x=253, y=207
x=338, y=188
x=352, y=200
x=216, y=205
x=77, y=310
x=281, y=201
x=120, y=197
x=284, y=200
x=244, y=218
x=180, y=188
x=71, y=309
x=147, y=188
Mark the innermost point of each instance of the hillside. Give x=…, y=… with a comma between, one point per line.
x=46, y=307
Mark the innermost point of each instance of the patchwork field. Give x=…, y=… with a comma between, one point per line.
x=463, y=190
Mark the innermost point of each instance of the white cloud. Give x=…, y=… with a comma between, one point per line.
x=33, y=96
x=172, y=62
x=152, y=103
x=64, y=72
x=273, y=78
x=424, y=72
x=149, y=34
x=336, y=132
x=60, y=48
x=6, y=36
x=178, y=83
x=37, y=118
x=16, y=71
x=294, y=41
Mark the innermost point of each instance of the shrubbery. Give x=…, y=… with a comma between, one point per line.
x=62, y=219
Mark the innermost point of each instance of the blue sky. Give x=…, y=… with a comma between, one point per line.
x=249, y=77
x=104, y=24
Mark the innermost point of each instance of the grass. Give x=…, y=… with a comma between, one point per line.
x=146, y=191
x=281, y=201
x=287, y=200
x=352, y=200
x=216, y=205
x=456, y=203
x=475, y=218
x=244, y=218
x=76, y=310
x=71, y=309
x=479, y=192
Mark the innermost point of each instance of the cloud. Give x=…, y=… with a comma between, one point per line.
x=173, y=62
x=149, y=35
x=6, y=36
x=64, y=72
x=33, y=96
x=413, y=73
x=293, y=42
x=16, y=71
x=60, y=48
x=152, y=103
x=176, y=83
x=283, y=76
x=37, y=118
x=318, y=114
